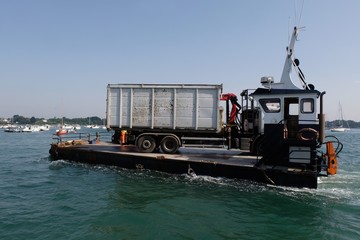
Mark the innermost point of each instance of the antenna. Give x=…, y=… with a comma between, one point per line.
x=302, y=7
x=295, y=12
x=297, y=22
x=288, y=30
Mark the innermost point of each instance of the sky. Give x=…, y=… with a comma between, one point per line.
x=57, y=57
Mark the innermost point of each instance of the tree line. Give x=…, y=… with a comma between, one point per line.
x=55, y=121
x=348, y=123
x=98, y=121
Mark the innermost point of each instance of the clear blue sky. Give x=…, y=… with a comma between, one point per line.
x=57, y=57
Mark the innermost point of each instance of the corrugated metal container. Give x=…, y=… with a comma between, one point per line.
x=164, y=106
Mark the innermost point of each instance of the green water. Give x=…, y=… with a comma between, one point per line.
x=40, y=199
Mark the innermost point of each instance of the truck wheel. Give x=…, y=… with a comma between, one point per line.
x=169, y=144
x=146, y=144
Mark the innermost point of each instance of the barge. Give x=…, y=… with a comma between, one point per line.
x=213, y=162
x=273, y=134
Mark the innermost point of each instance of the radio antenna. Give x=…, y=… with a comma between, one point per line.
x=301, y=10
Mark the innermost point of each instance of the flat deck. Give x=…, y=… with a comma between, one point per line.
x=201, y=161
x=208, y=155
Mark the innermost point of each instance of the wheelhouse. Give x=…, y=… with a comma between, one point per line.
x=291, y=109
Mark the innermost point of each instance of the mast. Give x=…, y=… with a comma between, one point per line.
x=286, y=80
x=341, y=117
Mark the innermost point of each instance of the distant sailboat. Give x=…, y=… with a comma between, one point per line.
x=340, y=126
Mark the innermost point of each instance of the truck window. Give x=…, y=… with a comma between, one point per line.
x=307, y=105
x=270, y=105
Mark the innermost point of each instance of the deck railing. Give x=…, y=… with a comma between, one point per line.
x=90, y=137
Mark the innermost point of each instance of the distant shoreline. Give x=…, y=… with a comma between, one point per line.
x=94, y=120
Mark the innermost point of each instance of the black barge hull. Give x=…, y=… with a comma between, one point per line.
x=208, y=162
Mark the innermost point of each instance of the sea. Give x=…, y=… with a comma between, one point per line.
x=45, y=199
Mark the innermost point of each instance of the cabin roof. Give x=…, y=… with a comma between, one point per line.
x=267, y=91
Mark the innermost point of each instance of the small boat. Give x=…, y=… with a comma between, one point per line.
x=68, y=127
x=92, y=126
x=61, y=132
x=12, y=128
x=340, y=125
x=26, y=128
x=35, y=128
x=44, y=127
x=339, y=129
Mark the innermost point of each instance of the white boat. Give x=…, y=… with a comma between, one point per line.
x=26, y=128
x=30, y=128
x=67, y=127
x=44, y=127
x=339, y=129
x=92, y=126
x=340, y=125
x=89, y=125
x=12, y=128
x=35, y=128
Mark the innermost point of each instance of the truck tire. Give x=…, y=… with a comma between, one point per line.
x=146, y=144
x=169, y=144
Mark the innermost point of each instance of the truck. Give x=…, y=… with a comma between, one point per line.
x=154, y=116
x=280, y=122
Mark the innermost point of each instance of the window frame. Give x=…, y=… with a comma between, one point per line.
x=265, y=101
x=312, y=106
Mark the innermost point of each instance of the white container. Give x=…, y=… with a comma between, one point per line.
x=164, y=106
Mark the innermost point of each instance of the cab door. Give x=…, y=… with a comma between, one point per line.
x=291, y=116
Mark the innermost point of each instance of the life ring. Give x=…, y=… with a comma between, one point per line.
x=308, y=134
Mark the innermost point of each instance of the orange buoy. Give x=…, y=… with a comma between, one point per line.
x=332, y=160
